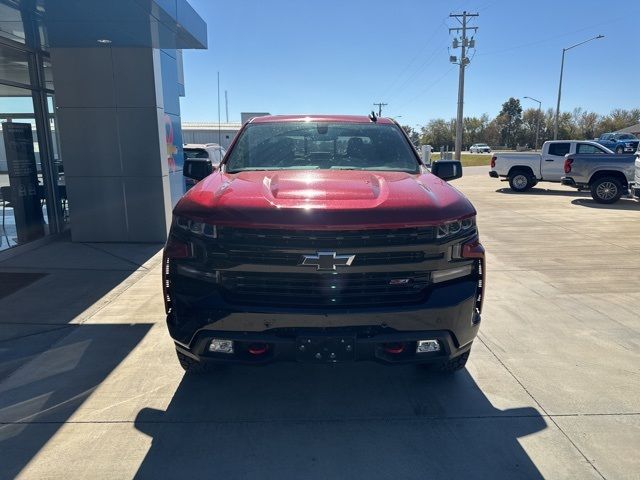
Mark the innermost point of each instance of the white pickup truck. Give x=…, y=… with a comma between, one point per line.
x=635, y=190
x=525, y=170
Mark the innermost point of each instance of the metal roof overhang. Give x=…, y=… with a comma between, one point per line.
x=123, y=23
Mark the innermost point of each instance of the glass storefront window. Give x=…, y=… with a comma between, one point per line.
x=48, y=76
x=11, y=25
x=14, y=65
x=24, y=195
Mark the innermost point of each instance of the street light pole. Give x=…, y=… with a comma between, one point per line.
x=538, y=121
x=564, y=50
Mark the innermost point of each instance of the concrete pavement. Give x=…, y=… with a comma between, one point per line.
x=90, y=387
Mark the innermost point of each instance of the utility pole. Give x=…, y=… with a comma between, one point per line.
x=464, y=43
x=380, y=105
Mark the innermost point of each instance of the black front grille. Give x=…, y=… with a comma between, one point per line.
x=317, y=290
x=326, y=239
x=231, y=258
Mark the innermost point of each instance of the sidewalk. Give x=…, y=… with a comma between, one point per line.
x=70, y=313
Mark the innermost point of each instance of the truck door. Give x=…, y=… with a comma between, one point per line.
x=552, y=168
x=607, y=140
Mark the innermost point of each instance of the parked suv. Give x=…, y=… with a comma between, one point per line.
x=619, y=142
x=324, y=239
x=202, y=157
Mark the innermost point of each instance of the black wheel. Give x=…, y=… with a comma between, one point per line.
x=619, y=150
x=448, y=366
x=520, y=181
x=190, y=365
x=606, y=190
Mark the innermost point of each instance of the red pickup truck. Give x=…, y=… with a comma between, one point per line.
x=324, y=239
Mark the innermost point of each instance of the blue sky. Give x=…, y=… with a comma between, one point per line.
x=340, y=56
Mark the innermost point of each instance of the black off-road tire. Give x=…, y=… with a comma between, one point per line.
x=619, y=150
x=606, y=190
x=520, y=180
x=448, y=366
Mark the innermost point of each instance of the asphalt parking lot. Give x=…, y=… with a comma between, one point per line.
x=90, y=386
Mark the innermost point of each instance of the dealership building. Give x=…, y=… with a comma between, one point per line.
x=90, y=115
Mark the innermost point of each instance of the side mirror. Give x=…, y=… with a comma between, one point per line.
x=447, y=169
x=197, y=168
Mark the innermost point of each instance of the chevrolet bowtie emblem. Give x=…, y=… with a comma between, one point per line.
x=327, y=260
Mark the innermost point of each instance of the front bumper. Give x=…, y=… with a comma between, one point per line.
x=449, y=314
x=283, y=347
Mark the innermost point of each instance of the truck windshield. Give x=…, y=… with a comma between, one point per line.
x=322, y=146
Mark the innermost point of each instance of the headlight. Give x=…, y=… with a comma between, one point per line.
x=197, y=228
x=628, y=145
x=451, y=229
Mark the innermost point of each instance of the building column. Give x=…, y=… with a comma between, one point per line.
x=115, y=144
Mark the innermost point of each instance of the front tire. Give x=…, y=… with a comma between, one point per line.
x=606, y=190
x=619, y=150
x=520, y=181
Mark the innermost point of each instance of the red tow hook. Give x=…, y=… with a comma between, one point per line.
x=258, y=348
x=394, y=348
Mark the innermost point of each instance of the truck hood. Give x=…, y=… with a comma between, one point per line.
x=323, y=198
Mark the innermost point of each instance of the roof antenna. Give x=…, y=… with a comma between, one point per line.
x=372, y=116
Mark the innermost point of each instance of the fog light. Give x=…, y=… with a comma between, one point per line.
x=425, y=346
x=220, y=345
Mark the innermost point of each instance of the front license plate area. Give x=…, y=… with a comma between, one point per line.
x=321, y=349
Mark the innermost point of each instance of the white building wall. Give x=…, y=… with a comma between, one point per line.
x=208, y=133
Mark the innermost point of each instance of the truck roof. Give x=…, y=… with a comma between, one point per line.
x=318, y=118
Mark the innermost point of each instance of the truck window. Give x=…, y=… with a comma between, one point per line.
x=588, y=148
x=559, y=149
x=195, y=153
x=627, y=136
x=306, y=145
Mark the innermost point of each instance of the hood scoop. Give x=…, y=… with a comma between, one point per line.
x=323, y=188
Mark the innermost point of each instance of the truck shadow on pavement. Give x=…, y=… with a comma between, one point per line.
x=622, y=204
x=43, y=393
x=342, y=421
x=51, y=362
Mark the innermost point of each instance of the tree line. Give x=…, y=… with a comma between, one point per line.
x=514, y=127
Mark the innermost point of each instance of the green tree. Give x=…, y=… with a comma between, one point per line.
x=439, y=133
x=474, y=130
x=532, y=120
x=617, y=120
x=587, y=124
x=510, y=120
x=413, y=134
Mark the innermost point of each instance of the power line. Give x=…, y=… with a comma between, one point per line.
x=464, y=43
x=429, y=87
x=408, y=66
x=428, y=61
x=380, y=105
